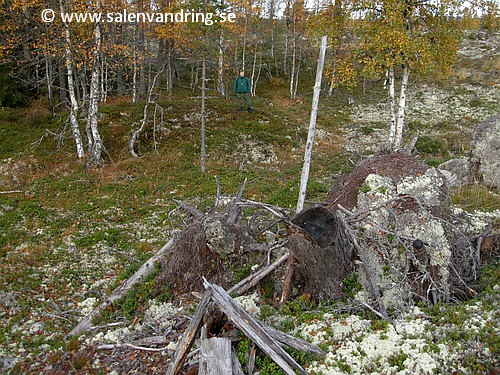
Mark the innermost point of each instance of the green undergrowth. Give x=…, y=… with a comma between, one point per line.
x=475, y=197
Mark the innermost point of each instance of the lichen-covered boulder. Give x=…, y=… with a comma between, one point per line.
x=485, y=153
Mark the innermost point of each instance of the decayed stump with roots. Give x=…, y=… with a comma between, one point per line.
x=217, y=244
x=324, y=254
x=390, y=221
x=418, y=246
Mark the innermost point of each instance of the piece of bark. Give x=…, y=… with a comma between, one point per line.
x=253, y=330
x=152, y=340
x=189, y=336
x=251, y=359
x=287, y=281
x=145, y=270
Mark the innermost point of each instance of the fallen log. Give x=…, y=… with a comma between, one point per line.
x=254, y=278
x=292, y=342
x=145, y=270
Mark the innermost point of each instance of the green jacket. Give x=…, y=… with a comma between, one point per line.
x=241, y=85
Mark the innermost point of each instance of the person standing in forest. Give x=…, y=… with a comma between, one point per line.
x=242, y=88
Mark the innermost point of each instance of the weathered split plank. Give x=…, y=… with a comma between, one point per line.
x=189, y=336
x=253, y=330
x=215, y=357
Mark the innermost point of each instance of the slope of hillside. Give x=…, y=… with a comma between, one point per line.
x=69, y=235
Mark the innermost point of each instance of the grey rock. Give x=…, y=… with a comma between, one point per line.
x=6, y=363
x=485, y=153
x=456, y=171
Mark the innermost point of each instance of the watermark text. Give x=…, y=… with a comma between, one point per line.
x=182, y=16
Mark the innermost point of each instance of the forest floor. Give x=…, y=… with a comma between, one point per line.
x=69, y=235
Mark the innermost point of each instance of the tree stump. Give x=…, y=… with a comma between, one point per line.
x=320, y=244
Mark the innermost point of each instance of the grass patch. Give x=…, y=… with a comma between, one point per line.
x=475, y=197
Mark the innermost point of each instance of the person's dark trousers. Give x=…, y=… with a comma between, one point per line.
x=244, y=96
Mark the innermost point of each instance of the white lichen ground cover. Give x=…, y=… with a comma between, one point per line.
x=50, y=281
x=411, y=344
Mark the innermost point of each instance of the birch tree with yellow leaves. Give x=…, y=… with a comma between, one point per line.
x=403, y=38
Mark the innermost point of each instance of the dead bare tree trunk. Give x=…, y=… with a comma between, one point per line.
x=203, y=151
x=137, y=132
x=312, y=128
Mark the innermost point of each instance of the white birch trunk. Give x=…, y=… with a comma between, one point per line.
x=170, y=73
x=332, y=80
x=134, y=78
x=103, y=79
x=220, y=66
x=252, y=78
x=254, y=84
x=48, y=74
x=312, y=128
x=297, y=74
x=244, y=48
x=292, y=74
x=203, y=153
x=73, y=114
x=401, y=109
x=95, y=152
x=392, y=104
x=285, y=55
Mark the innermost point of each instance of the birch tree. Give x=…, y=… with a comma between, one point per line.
x=296, y=20
x=335, y=22
x=410, y=37
x=73, y=114
x=94, y=138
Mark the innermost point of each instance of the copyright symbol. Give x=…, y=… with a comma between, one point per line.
x=48, y=15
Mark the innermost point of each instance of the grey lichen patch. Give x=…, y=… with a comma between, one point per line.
x=219, y=239
x=427, y=189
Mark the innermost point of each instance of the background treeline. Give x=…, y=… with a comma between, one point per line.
x=76, y=66
x=270, y=38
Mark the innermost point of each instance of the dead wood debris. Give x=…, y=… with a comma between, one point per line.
x=213, y=353
x=323, y=247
